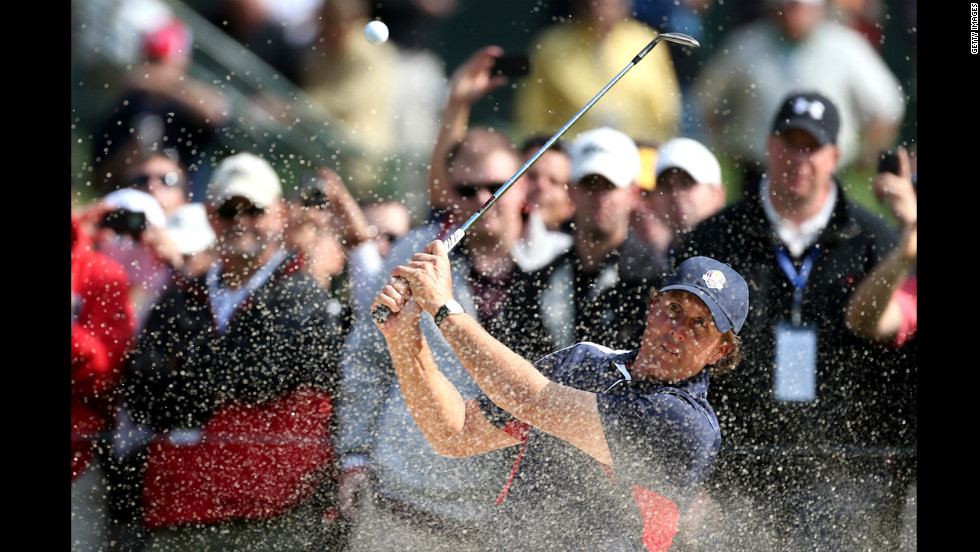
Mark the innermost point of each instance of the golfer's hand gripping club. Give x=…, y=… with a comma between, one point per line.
x=382, y=313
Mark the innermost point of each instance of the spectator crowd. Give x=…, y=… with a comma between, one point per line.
x=230, y=389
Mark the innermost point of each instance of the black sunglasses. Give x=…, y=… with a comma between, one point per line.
x=169, y=179
x=231, y=210
x=469, y=191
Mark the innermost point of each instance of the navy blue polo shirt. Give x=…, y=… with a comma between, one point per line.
x=663, y=438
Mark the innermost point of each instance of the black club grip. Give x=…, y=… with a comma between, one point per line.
x=381, y=314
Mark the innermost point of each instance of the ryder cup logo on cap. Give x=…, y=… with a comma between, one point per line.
x=811, y=112
x=718, y=285
x=691, y=157
x=714, y=279
x=606, y=152
x=244, y=175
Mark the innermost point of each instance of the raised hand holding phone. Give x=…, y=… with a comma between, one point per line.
x=893, y=186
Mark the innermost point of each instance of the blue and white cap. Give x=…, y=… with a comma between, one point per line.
x=811, y=112
x=718, y=285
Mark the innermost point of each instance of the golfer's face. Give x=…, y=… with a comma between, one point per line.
x=680, y=337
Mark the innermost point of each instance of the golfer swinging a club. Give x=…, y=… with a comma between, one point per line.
x=612, y=444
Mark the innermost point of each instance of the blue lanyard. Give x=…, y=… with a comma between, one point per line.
x=798, y=279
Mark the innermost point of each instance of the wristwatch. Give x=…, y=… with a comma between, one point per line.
x=451, y=307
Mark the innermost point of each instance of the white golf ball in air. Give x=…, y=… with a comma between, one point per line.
x=376, y=32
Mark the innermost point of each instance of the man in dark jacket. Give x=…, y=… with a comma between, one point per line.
x=804, y=416
x=235, y=371
x=598, y=289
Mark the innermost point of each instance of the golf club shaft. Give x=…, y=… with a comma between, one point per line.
x=382, y=312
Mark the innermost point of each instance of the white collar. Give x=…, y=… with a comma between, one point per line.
x=538, y=245
x=224, y=301
x=798, y=238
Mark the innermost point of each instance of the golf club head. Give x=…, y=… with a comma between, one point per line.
x=679, y=38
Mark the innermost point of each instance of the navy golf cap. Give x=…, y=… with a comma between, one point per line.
x=811, y=112
x=723, y=290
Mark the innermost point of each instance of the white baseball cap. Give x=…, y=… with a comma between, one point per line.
x=692, y=157
x=606, y=152
x=189, y=228
x=139, y=202
x=244, y=175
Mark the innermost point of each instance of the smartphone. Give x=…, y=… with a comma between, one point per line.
x=310, y=192
x=512, y=65
x=888, y=162
x=125, y=222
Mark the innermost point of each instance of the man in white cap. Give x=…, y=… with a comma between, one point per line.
x=686, y=189
x=235, y=372
x=608, y=288
x=245, y=207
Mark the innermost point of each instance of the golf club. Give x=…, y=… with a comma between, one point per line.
x=382, y=312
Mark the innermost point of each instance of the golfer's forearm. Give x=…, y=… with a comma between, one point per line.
x=516, y=386
x=433, y=401
x=510, y=381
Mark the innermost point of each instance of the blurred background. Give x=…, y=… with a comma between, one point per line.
x=255, y=54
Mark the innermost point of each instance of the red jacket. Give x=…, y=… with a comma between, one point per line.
x=244, y=417
x=102, y=326
x=252, y=462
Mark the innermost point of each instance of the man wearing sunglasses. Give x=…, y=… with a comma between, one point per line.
x=163, y=177
x=596, y=290
x=235, y=372
x=415, y=497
